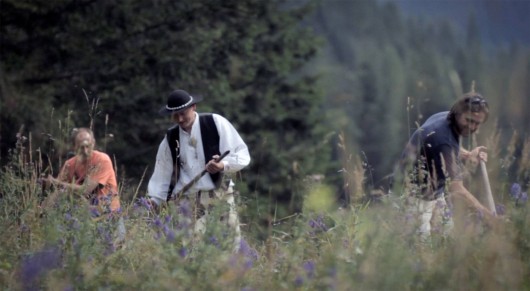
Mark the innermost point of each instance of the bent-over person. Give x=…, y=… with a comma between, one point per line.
x=90, y=176
x=431, y=165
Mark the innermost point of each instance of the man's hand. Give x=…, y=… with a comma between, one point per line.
x=213, y=166
x=50, y=181
x=479, y=153
x=475, y=155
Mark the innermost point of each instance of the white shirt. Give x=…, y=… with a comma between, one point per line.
x=192, y=160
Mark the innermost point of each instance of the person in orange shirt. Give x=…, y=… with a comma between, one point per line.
x=89, y=173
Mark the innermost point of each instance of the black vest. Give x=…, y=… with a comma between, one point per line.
x=210, y=144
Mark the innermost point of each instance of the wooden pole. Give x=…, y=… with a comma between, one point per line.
x=489, y=196
x=197, y=178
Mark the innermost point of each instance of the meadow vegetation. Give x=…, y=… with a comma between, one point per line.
x=363, y=245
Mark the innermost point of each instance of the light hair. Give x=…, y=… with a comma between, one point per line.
x=77, y=131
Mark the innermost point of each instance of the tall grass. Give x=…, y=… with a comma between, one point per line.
x=357, y=247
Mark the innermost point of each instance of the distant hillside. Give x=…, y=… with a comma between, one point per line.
x=501, y=21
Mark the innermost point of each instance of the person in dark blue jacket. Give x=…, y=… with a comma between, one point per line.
x=432, y=163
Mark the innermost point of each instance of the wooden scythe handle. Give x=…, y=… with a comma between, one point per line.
x=489, y=196
x=197, y=178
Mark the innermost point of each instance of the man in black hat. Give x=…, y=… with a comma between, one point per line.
x=194, y=144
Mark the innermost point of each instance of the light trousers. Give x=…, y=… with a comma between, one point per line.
x=431, y=217
x=203, y=203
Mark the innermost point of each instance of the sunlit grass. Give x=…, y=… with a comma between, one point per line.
x=357, y=246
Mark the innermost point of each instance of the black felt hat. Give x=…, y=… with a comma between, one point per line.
x=178, y=101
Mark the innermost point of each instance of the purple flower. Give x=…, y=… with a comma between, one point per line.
x=248, y=264
x=309, y=268
x=185, y=208
x=170, y=236
x=94, y=212
x=500, y=209
x=247, y=251
x=145, y=203
x=298, y=281
x=166, y=229
x=518, y=195
x=318, y=224
x=38, y=264
x=157, y=222
x=515, y=191
x=214, y=241
x=183, y=252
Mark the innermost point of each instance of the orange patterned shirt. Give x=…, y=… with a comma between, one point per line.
x=99, y=169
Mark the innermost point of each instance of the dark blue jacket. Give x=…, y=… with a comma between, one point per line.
x=432, y=156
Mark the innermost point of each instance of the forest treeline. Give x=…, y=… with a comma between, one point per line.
x=311, y=86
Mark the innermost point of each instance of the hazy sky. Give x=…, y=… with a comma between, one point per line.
x=501, y=21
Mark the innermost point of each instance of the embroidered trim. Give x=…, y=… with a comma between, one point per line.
x=181, y=106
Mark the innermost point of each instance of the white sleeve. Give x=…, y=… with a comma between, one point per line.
x=159, y=183
x=229, y=139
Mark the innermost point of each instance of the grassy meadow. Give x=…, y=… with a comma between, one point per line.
x=362, y=246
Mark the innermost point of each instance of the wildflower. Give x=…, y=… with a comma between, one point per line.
x=38, y=264
x=214, y=241
x=298, y=281
x=247, y=251
x=94, y=212
x=157, y=222
x=500, y=209
x=318, y=224
x=170, y=236
x=517, y=194
x=515, y=191
x=309, y=268
x=72, y=222
x=166, y=229
x=250, y=255
x=145, y=203
x=185, y=208
x=248, y=264
x=167, y=219
x=183, y=252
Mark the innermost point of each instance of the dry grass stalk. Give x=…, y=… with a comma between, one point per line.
x=354, y=173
